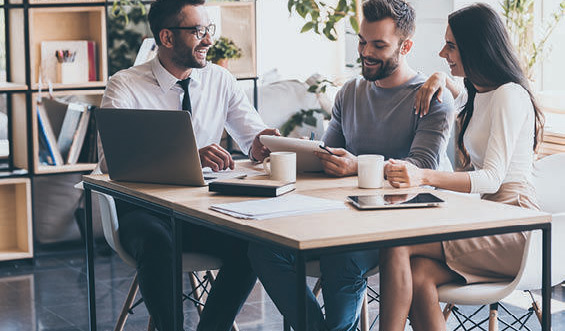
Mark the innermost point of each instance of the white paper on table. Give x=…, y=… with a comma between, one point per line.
x=287, y=205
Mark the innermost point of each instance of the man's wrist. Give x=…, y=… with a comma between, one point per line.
x=251, y=157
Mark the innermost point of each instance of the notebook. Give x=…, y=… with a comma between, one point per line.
x=153, y=146
x=252, y=187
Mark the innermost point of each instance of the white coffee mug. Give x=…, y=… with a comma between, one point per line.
x=370, y=171
x=282, y=166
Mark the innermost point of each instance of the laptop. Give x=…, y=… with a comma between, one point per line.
x=153, y=146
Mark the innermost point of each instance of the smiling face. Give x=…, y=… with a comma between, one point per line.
x=450, y=52
x=379, y=49
x=188, y=51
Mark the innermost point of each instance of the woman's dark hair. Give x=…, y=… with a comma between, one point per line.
x=166, y=13
x=489, y=60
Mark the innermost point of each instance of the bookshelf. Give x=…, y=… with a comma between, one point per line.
x=16, y=240
x=57, y=23
x=29, y=23
x=238, y=23
x=93, y=97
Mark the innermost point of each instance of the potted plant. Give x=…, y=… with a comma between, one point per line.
x=309, y=117
x=519, y=19
x=222, y=50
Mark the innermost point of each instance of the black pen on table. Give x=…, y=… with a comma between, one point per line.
x=326, y=149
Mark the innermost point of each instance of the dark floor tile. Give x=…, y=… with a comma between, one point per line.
x=51, y=295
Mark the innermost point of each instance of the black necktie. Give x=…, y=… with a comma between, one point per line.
x=186, y=98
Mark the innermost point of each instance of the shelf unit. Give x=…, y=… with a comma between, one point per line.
x=16, y=240
x=28, y=23
x=238, y=23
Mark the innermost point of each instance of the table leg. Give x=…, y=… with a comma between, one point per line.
x=89, y=242
x=546, y=279
x=301, y=292
x=177, y=274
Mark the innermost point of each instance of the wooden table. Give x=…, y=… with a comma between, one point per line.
x=312, y=235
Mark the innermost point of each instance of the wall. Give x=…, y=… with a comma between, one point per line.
x=295, y=55
x=552, y=68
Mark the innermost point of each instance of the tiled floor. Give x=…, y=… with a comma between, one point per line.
x=52, y=296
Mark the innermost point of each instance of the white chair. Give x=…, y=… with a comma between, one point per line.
x=365, y=324
x=549, y=176
x=193, y=263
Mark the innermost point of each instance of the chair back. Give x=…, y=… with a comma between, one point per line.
x=548, y=181
x=110, y=225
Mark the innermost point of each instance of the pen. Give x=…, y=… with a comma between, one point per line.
x=326, y=149
x=311, y=135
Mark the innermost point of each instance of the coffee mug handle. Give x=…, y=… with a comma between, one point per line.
x=265, y=166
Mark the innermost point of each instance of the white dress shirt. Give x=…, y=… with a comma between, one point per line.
x=500, y=138
x=217, y=102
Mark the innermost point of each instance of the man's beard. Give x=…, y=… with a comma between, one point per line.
x=387, y=67
x=184, y=58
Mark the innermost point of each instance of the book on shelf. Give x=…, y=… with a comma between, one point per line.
x=69, y=126
x=89, y=150
x=68, y=61
x=63, y=128
x=92, y=61
x=252, y=187
x=79, y=135
x=48, y=151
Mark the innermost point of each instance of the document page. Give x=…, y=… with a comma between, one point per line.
x=293, y=204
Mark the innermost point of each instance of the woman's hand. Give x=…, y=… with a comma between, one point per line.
x=434, y=86
x=403, y=174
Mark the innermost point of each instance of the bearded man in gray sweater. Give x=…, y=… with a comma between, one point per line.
x=372, y=114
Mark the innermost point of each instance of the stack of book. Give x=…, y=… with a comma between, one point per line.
x=553, y=135
x=62, y=131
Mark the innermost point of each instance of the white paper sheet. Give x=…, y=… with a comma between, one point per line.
x=287, y=205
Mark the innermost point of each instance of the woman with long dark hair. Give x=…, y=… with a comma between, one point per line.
x=500, y=127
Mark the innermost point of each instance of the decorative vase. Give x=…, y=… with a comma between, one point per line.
x=223, y=63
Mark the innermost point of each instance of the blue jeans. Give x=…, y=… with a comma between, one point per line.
x=343, y=285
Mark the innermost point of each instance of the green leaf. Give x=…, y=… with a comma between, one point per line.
x=341, y=5
x=307, y=27
x=301, y=10
x=354, y=23
x=310, y=120
x=289, y=5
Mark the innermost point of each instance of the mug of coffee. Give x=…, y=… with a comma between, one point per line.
x=282, y=166
x=370, y=171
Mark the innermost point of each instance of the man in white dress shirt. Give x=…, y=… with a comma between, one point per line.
x=183, y=33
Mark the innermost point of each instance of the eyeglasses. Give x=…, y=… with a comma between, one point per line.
x=199, y=30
